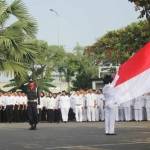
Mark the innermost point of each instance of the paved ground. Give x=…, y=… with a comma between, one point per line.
x=74, y=136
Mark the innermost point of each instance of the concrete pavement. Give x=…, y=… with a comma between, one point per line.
x=74, y=136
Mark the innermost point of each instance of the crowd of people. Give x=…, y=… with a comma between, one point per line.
x=79, y=106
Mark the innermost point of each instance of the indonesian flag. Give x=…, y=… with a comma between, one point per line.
x=133, y=77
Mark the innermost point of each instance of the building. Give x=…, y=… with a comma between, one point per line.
x=106, y=72
x=59, y=82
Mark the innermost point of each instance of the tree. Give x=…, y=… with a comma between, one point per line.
x=144, y=7
x=14, y=46
x=86, y=70
x=78, y=49
x=69, y=68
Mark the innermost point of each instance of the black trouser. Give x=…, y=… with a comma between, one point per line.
x=39, y=114
x=50, y=115
x=71, y=115
x=16, y=114
x=57, y=115
x=9, y=112
x=21, y=113
x=3, y=113
x=43, y=115
x=32, y=113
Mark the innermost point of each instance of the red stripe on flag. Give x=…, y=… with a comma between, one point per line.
x=135, y=65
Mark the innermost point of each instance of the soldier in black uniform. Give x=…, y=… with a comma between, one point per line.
x=33, y=100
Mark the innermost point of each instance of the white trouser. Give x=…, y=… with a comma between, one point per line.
x=97, y=113
x=78, y=112
x=64, y=113
x=102, y=114
x=110, y=120
x=138, y=114
x=91, y=114
x=121, y=114
x=117, y=113
x=84, y=113
x=127, y=113
x=148, y=113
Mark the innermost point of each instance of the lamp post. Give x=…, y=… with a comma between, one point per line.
x=54, y=12
x=58, y=24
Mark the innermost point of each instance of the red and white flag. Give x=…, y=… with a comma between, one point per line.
x=133, y=77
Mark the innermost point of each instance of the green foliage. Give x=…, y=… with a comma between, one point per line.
x=118, y=45
x=86, y=70
x=13, y=46
x=144, y=7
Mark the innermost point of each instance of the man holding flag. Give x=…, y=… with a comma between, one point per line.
x=131, y=81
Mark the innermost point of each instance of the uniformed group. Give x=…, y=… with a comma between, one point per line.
x=76, y=106
x=137, y=109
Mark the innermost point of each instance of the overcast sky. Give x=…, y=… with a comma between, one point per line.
x=80, y=21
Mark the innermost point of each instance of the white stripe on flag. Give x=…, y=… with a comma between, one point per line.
x=132, y=88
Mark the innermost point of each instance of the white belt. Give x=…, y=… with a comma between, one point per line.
x=34, y=100
x=78, y=104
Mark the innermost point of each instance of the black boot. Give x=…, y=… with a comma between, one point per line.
x=34, y=126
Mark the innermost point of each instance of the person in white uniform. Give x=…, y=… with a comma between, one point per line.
x=97, y=110
x=44, y=99
x=100, y=105
x=57, y=108
x=121, y=112
x=51, y=103
x=147, y=105
x=127, y=110
x=10, y=103
x=84, y=105
x=110, y=115
x=64, y=106
x=24, y=107
x=138, y=105
x=91, y=103
x=78, y=106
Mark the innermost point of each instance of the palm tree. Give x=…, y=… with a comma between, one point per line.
x=15, y=50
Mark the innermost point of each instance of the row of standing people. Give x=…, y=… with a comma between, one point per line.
x=56, y=107
x=13, y=107
x=78, y=106
x=137, y=109
x=89, y=106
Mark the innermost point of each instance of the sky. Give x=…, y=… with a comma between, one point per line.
x=82, y=21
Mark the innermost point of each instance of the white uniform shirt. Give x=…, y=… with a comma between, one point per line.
x=44, y=100
x=126, y=104
x=110, y=97
x=100, y=99
x=90, y=100
x=25, y=100
x=17, y=100
x=65, y=101
x=78, y=100
x=138, y=102
x=72, y=101
x=1, y=100
x=10, y=100
x=56, y=102
x=51, y=103
x=40, y=106
x=147, y=101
